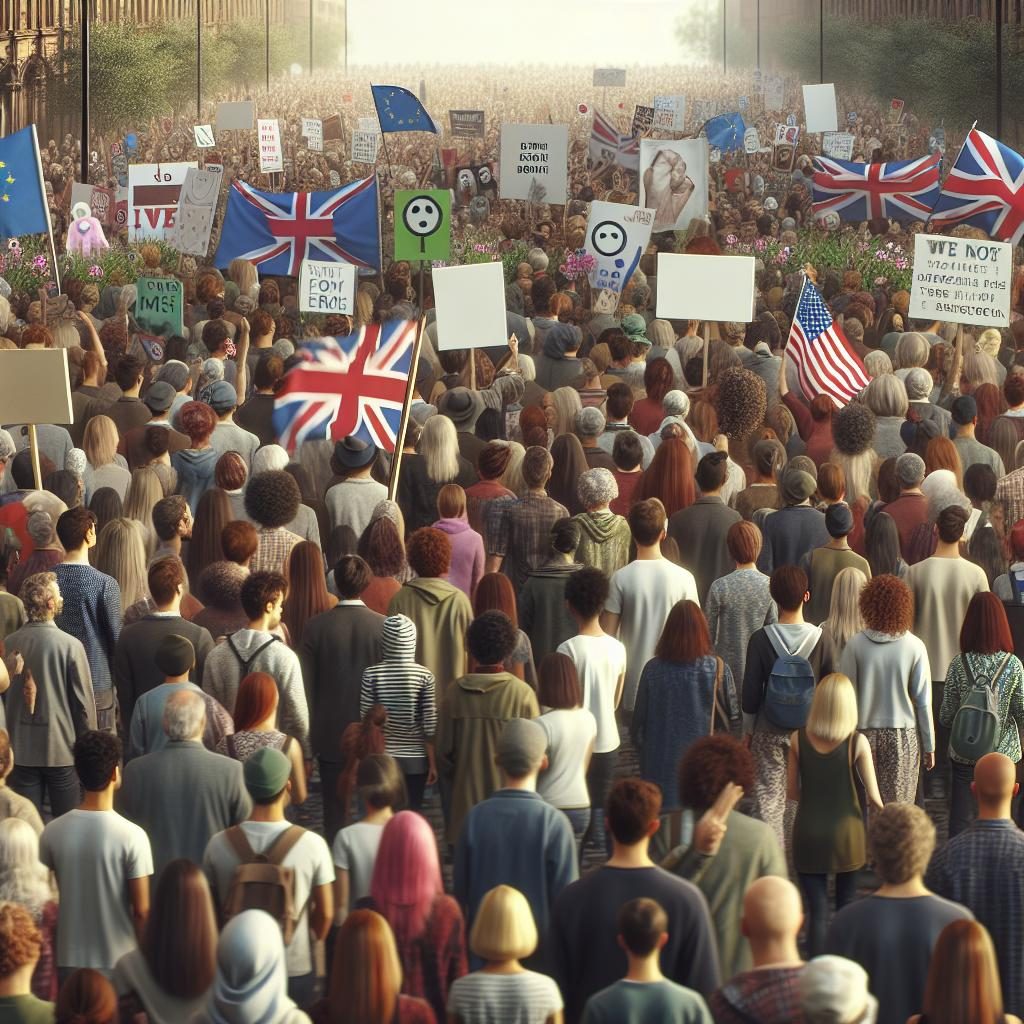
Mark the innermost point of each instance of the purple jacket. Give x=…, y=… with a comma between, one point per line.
x=467, y=554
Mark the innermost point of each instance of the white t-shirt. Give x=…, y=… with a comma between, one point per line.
x=94, y=854
x=523, y=998
x=642, y=594
x=309, y=858
x=570, y=732
x=354, y=851
x=600, y=662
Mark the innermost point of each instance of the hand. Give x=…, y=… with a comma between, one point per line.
x=432, y=776
x=929, y=761
x=710, y=830
x=513, y=345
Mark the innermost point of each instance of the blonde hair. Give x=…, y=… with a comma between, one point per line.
x=439, y=446
x=844, y=618
x=121, y=553
x=861, y=472
x=833, y=714
x=364, y=308
x=99, y=442
x=145, y=490
x=912, y=349
x=512, y=478
x=877, y=363
x=504, y=928
x=566, y=402
x=243, y=273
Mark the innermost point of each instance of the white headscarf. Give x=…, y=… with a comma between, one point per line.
x=270, y=456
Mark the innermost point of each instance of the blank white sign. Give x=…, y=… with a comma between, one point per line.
x=820, y=108
x=705, y=287
x=470, y=303
x=34, y=386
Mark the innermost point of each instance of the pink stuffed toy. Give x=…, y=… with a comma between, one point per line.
x=85, y=233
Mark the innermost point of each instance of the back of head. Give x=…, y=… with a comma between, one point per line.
x=994, y=781
x=901, y=840
x=86, y=997
x=97, y=758
x=632, y=810
x=772, y=910
x=641, y=923
x=647, y=521
x=834, y=990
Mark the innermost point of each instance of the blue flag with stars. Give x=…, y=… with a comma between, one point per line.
x=398, y=110
x=726, y=132
x=22, y=207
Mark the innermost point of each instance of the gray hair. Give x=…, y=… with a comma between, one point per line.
x=23, y=879
x=527, y=367
x=7, y=449
x=886, y=396
x=538, y=259
x=877, y=363
x=36, y=593
x=270, y=456
x=184, y=716
x=912, y=349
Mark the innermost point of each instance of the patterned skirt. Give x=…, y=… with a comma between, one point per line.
x=897, y=757
x=771, y=754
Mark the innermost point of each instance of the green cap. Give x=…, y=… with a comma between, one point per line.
x=266, y=773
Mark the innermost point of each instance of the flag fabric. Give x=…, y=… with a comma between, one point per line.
x=608, y=146
x=398, y=110
x=985, y=187
x=278, y=230
x=824, y=359
x=22, y=198
x=354, y=384
x=904, y=190
x=725, y=132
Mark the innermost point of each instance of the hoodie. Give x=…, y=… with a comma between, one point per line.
x=543, y=615
x=604, y=540
x=195, y=468
x=467, y=565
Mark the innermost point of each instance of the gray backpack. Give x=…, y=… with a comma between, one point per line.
x=976, y=727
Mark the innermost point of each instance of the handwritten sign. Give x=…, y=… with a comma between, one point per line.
x=364, y=147
x=961, y=280
x=271, y=153
x=670, y=113
x=313, y=133
x=327, y=287
x=159, y=307
x=534, y=158
x=204, y=136
x=153, y=191
x=467, y=124
x=838, y=145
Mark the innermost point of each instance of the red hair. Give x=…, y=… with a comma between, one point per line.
x=991, y=403
x=985, y=629
x=685, y=637
x=494, y=593
x=257, y=697
x=702, y=245
x=669, y=477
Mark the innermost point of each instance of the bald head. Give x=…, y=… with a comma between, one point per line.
x=995, y=782
x=772, y=911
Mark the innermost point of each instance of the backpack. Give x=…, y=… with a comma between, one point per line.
x=260, y=882
x=790, y=688
x=976, y=726
x=246, y=662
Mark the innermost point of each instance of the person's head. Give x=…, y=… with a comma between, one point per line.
x=366, y=974
x=647, y=522
x=256, y=701
x=941, y=453
x=380, y=782
x=558, y=684
x=521, y=749
x=272, y=498
x=642, y=928
x=834, y=990
x=351, y=577
x=172, y=518
x=620, y=400
x=586, y=592
x=788, y=588
x=632, y=811
x=627, y=450
x=197, y=420
x=743, y=542
x=887, y=605
x=86, y=997
x=887, y=396
x=504, y=928
x=97, y=761
x=439, y=446
x=128, y=373
x=493, y=460
x=239, y=541
x=406, y=874
x=267, y=774
x=252, y=974
x=838, y=520
x=742, y=402
x=712, y=472
x=772, y=913
x=184, y=717
x=429, y=552
x=76, y=529
x=451, y=502
x=963, y=976
x=995, y=784
x=685, y=637
x=833, y=713
x=708, y=766
x=597, y=488
x=901, y=838
x=166, y=579
x=20, y=940
x=99, y=442
x=669, y=477
x=985, y=628
x=230, y=473
x=831, y=482
x=491, y=638
x=262, y=597
x=41, y=597
x=537, y=466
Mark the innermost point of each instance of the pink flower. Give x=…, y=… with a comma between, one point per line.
x=95, y=271
x=39, y=263
x=760, y=244
x=731, y=239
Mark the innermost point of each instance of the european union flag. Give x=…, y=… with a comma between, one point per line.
x=398, y=110
x=725, y=132
x=22, y=206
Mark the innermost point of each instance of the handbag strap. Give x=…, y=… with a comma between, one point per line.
x=719, y=669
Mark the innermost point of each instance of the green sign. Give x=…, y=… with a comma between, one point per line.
x=423, y=224
x=160, y=306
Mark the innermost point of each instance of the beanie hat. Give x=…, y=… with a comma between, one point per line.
x=521, y=747
x=561, y=338
x=175, y=655
x=838, y=519
x=590, y=422
x=769, y=456
x=797, y=486
x=676, y=403
x=175, y=373
x=266, y=772
x=75, y=460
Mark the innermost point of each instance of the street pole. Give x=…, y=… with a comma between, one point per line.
x=346, y=36
x=199, y=60
x=999, y=69
x=310, y=38
x=266, y=36
x=725, y=37
x=86, y=134
x=758, y=35
x=821, y=41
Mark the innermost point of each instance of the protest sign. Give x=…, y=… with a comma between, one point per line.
x=100, y=201
x=160, y=306
x=820, y=113
x=534, y=162
x=643, y=118
x=937, y=140
x=234, y=117
x=153, y=191
x=364, y=147
x=703, y=110
x=197, y=205
x=751, y=141
x=367, y=124
x=617, y=236
x=960, y=280
x=610, y=78
x=423, y=224
x=271, y=153
x=333, y=131
x=774, y=92
x=783, y=157
x=786, y=134
x=466, y=124
x=670, y=113
x=705, y=287
x=204, y=136
x=35, y=386
x=744, y=102
x=327, y=287
x=470, y=303
x=838, y=145
x=895, y=111
x=313, y=132
x=851, y=117
x=674, y=181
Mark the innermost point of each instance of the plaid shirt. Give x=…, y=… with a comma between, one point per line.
x=983, y=870
x=769, y=995
x=523, y=535
x=1010, y=493
x=275, y=546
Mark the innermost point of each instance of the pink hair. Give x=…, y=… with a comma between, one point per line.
x=406, y=875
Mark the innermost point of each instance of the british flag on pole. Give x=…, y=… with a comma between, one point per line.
x=607, y=146
x=904, y=190
x=354, y=384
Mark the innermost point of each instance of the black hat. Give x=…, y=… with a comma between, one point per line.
x=175, y=655
x=353, y=453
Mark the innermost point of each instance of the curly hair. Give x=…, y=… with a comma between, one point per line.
x=887, y=605
x=853, y=429
x=742, y=401
x=197, y=420
x=901, y=839
x=272, y=498
x=708, y=765
x=20, y=939
x=429, y=552
x=491, y=637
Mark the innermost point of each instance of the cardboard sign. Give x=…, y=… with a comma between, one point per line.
x=204, y=136
x=327, y=287
x=153, y=192
x=313, y=133
x=896, y=111
x=534, y=159
x=99, y=200
x=364, y=147
x=236, y=117
x=744, y=102
x=271, y=153
x=160, y=306
x=643, y=119
x=423, y=224
x=35, y=386
x=786, y=134
x=197, y=204
x=774, y=92
x=467, y=124
x=705, y=287
x=838, y=145
x=820, y=113
x=674, y=181
x=617, y=236
x=333, y=130
x=670, y=113
x=470, y=303
x=960, y=280
x=751, y=141
x=610, y=78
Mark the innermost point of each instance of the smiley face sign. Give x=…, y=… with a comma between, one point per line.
x=617, y=236
x=608, y=238
x=422, y=224
x=422, y=216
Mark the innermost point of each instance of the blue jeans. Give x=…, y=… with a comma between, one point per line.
x=579, y=818
x=60, y=784
x=815, y=890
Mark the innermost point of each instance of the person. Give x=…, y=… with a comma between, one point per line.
x=90, y=608
x=365, y=979
x=514, y=837
x=227, y=435
x=99, y=442
x=910, y=510
x=251, y=983
x=168, y=977
x=823, y=564
x=627, y=454
x=127, y=411
x=813, y=419
x=796, y=528
x=557, y=364
x=685, y=691
x=467, y=564
x=669, y=477
x=835, y=989
x=768, y=459
x=983, y=869
x=196, y=464
x=351, y=501
x=307, y=589
x=46, y=551
x=569, y=463
x=120, y=553
x=604, y=535
x=407, y=891
x=769, y=991
x=272, y=501
x=1009, y=586
x=61, y=690
x=583, y=955
x=160, y=396
x=494, y=593
x=965, y=420
x=890, y=670
x=882, y=546
x=472, y=715
x=892, y=932
x=102, y=863
x=437, y=462
x=503, y=933
x=644, y=994
x=383, y=548
x=12, y=804
x=543, y=613
x=641, y=594
x=700, y=530
x=963, y=979
x=354, y=849
x=407, y=690
x=844, y=618
x=828, y=831
x=20, y=947
x=440, y=611
x=172, y=524
x=267, y=775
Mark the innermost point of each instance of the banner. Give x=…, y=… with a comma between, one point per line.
x=674, y=181
x=467, y=124
x=313, y=133
x=271, y=154
x=153, y=192
x=160, y=306
x=327, y=288
x=365, y=146
x=610, y=78
x=670, y=113
x=617, y=236
x=197, y=205
x=232, y=117
x=643, y=119
x=838, y=145
x=774, y=92
x=534, y=161
x=423, y=224
x=961, y=280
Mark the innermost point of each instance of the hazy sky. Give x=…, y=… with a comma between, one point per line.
x=588, y=32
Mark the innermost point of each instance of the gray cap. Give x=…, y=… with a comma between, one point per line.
x=589, y=422
x=160, y=396
x=221, y=396
x=676, y=403
x=521, y=747
x=910, y=469
x=174, y=372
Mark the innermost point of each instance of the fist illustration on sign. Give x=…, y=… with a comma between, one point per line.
x=668, y=188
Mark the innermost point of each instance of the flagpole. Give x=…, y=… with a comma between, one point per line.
x=383, y=140
x=959, y=153
x=396, y=462
x=46, y=208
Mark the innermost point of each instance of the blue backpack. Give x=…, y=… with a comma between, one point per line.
x=790, y=689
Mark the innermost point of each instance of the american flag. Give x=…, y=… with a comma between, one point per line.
x=607, y=146
x=902, y=189
x=826, y=363
x=985, y=187
x=354, y=384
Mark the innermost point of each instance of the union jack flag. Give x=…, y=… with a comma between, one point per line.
x=278, y=230
x=354, y=384
x=608, y=146
x=985, y=187
x=901, y=189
